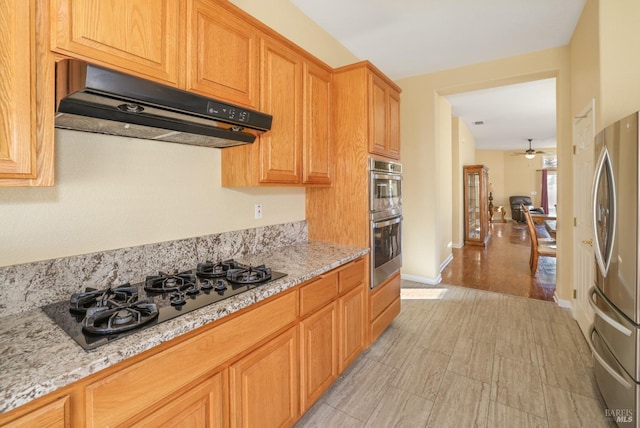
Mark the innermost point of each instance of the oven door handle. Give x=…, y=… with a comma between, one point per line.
x=605, y=365
x=377, y=175
x=599, y=312
x=387, y=222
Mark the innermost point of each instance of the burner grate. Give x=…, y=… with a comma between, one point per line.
x=164, y=283
x=104, y=320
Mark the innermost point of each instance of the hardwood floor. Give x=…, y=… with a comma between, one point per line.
x=503, y=266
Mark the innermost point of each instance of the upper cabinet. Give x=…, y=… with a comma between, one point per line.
x=317, y=141
x=210, y=47
x=26, y=95
x=298, y=149
x=384, y=117
x=140, y=37
x=281, y=96
x=223, y=56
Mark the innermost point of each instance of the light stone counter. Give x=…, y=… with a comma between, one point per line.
x=37, y=357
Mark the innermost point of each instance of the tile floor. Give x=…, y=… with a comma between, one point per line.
x=469, y=358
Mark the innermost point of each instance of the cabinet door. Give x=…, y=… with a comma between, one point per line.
x=352, y=325
x=52, y=415
x=319, y=348
x=264, y=385
x=317, y=141
x=223, y=55
x=143, y=37
x=17, y=89
x=377, y=115
x=394, y=124
x=201, y=406
x=281, y=86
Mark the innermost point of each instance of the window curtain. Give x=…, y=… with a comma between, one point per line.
x=544, y=194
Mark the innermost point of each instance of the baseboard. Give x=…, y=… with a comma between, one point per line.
x=445, y=263
x=563, y=303
x=458, y=245
x=421, y=279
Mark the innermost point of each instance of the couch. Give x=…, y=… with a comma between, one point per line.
x=516, y=212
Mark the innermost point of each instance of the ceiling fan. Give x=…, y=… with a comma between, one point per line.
x=530, y=153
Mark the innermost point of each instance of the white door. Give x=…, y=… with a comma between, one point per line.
x=583, y=256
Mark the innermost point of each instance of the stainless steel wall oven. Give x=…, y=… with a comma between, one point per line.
x=385, y=205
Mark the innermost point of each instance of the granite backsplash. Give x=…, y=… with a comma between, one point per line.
x=31, y=285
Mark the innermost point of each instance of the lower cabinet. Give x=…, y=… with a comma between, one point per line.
x=263, y=367
x=319, y=353
x=352, y=325
x=264, y=384
x=51, y=415
x=204, y=405
x=385, y=305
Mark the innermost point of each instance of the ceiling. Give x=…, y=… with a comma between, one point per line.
x=406, y=38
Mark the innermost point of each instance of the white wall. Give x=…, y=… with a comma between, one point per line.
x=116, y=192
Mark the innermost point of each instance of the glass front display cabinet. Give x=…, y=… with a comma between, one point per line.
x=476, y=205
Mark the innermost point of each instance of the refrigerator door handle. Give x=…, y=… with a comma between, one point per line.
x=599, y=312
x=614, y=374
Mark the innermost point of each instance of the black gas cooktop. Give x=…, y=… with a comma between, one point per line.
x=96, y=317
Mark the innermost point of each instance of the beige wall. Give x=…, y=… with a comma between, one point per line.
x=585, y=62
x=116, y=192
x=419, y=140
x=444, y=181
x=619, y=59
x=512, y=176
x=463, y=153
x=284, y=17
x=494, y=160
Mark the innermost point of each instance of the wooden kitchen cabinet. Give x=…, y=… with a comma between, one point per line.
x=281, y=96
x=55, y=414
x=298, y=150
x=366, y=109
x=26, y=95
x=140, y=37
x=203, y=405
x=317, y=143
x=385, y=305
x=384, y=118
x=138, y=387
x=353, y=325
x=264, y=384
x=223, y=56
x=263, y=366
x=319, y=353
x=353, y=311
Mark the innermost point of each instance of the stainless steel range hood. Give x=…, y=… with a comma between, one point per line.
x=98, y=100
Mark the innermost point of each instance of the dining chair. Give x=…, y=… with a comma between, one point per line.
x=540, y=247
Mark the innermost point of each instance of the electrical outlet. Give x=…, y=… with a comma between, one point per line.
x=258, y=211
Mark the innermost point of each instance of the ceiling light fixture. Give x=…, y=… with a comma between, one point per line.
x=530, y=156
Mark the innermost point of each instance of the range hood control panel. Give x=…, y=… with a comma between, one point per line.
x=228, y=112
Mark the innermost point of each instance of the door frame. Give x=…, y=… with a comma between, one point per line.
x=581, y=310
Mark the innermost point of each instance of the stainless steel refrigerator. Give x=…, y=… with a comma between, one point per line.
x=615, y=298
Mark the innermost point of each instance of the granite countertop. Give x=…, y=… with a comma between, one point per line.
x=38, y=357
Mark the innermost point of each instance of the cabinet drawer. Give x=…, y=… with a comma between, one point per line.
x=147, y=382
x=384, y=295
x=318, y=293
x=351, y=275
x=379, y=324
